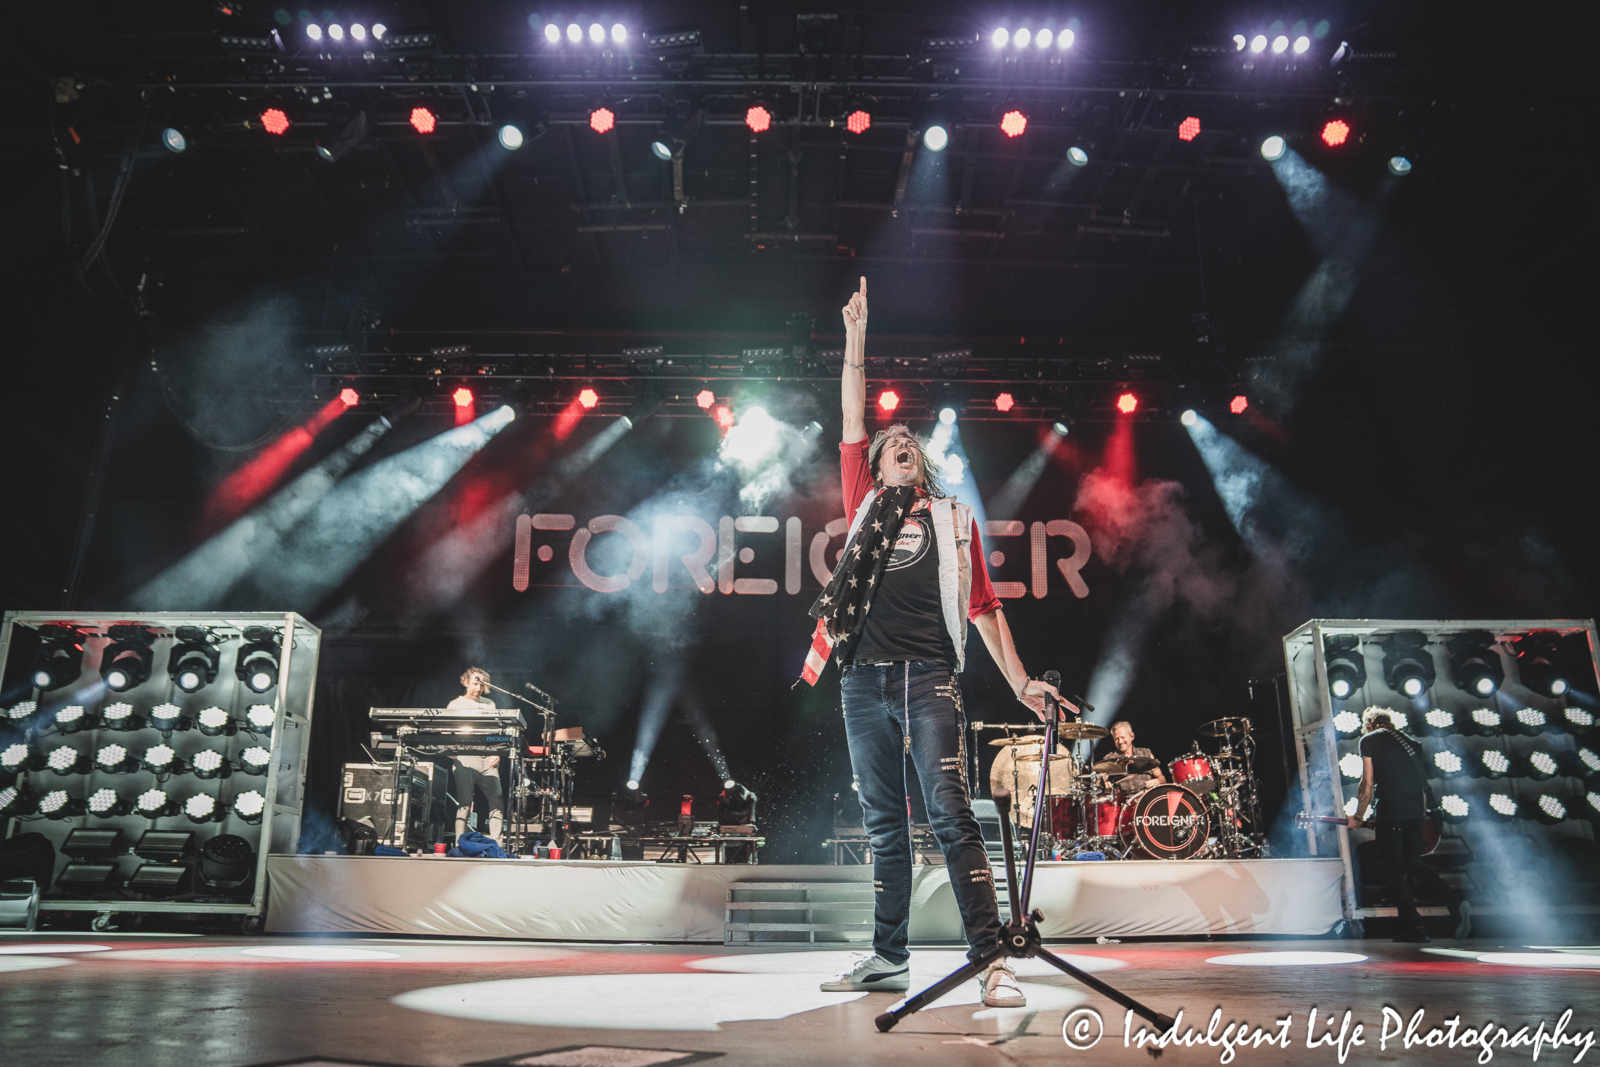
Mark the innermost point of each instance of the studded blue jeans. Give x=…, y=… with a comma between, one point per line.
x=903, y=711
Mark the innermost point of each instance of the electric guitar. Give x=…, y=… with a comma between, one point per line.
x=1430, y=827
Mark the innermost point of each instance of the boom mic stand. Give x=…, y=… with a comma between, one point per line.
x=1019, y=938
x=518, y=773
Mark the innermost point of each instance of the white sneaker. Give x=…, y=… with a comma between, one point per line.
x=871, y=972
x=1000, y=989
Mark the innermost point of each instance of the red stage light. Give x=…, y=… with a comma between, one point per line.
x=588, y=398
x=758, y=118
x=350, y=397
x=858, y=121
x=1005, y=402
x=725, y=417
x=422, y=120
x=1238, y=404
x=1189, y=129
x=888, y=400
x=273, y=120
x=1335, y=133
x=1127, y=403
x=601, y=120
x=1012, y=123
x=705, y=398
x=462, y=397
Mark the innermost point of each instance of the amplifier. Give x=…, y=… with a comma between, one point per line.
x=369, y=791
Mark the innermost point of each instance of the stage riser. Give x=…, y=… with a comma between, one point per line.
x=609, y=901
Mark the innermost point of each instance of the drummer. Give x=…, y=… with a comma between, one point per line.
x=1124, y=749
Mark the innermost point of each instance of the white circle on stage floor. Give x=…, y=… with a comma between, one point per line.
x=1539, y=959
x=31, y=963
x=1286, y=959
x=44, y=950
x=321, y=954
x=344, y=952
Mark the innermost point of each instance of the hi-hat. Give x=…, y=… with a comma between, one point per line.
x=1082, y=731
x=1229, y=728
x=1025, y=739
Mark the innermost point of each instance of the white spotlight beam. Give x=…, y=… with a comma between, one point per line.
x=364, y=510
x=200, y=579
x=1012, y=495
x=1236, y=474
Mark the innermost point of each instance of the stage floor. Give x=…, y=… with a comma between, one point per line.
x=173, y=1001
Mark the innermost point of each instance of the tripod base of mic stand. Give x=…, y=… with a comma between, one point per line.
x=1019, y=939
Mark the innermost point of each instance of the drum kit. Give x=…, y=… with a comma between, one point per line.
x=1207, y=810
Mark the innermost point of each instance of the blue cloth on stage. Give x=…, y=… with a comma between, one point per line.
x=474, y=845
x=387, y=850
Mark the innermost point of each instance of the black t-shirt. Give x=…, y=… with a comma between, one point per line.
x=1396, y=781
x=906, y=620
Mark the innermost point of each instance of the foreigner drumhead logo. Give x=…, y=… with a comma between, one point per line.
x=1171, y=822
x=912, y=544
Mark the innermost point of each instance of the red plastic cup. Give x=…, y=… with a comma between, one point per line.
x=555, y=853
x=438, y=848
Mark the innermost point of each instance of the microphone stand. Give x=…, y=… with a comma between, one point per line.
x=1020, y=938
x=517, y=772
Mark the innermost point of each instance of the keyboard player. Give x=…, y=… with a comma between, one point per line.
x=476, y=772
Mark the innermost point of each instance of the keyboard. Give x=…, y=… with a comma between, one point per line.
x=445, y=719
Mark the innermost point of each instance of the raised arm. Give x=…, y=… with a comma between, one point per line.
x=853, y=382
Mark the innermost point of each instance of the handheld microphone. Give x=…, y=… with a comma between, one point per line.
x=1053, y=678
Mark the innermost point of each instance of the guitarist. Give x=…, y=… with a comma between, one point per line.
x=1391, y=762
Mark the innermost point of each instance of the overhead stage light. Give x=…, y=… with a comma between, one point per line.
x=1448, y=764
x=1437, y=723
x=349, y=397
x=1022, y=38
x=106, y=804
x=1407, y=665
x=888, y=400
x=1189, y=129
x=633, y=784
x=1272, y=148
x=1351, y=765
x=1189, y=417
x=192, y=663
x=1077, y=156
x=1577, y=720
x=255, y=760
x=1280, y=44
x=1455, y=807
x=597, y=33
x=125, y=663
x=935, y=138
x=1001, y=37
x=59, y=659
x=1302, y=44
x=462, y=397
x=59, y=804
x=261, y=717
x=114, y=759
x=209, y=764
x=1474, y=663
x=173, y=140
x=1013, y=123
x=758, y=118
x=725, y=417
x=1539, y=766
x=1127, y=403
x=336, y=32
x=1004, y=402
x=1485, y=722
x=19, y=757
x=423, y=120
x=552, y=33
x=1538, y=665
x=588, y=398
x=202, y=807
x=358, y=32
x=154, y=804
x=574, y=32
x=160, y=759
x=858, y=121
x=120, y=716
x=1529, y=722
x=1491, y=763
x=1347, y=723
x=1239, y=41
x=1044, y=38
x=1335, y=132
x=1239, y=404
x=704, y=399
x=1065, y=39
x=274, y=121
x=166, y=718
x=1399, y=166
x=1258, y=43
x=257, y=665
x=619, y=33
x=314, y=31
x=1547, y=809
x=249, y=805
x=72, y=718
x=1502, y=807
x=214, y=722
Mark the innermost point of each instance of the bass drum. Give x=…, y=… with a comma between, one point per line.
x=1169, y=823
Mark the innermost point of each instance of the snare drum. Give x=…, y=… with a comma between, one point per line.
x=1194, y=771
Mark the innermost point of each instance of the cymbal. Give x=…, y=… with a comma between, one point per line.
x=1229, y=728
x=1133, y=765
x=1038, y=757
x=1082, y=731
x=1024, y=739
